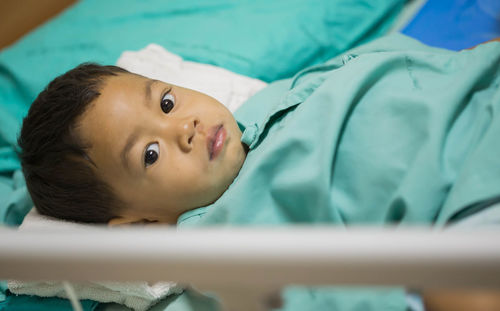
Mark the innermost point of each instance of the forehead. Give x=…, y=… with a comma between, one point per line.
x=119, y=97
x=110, y=117
x=119, y=89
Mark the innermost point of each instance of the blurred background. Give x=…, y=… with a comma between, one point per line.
x=19, y=17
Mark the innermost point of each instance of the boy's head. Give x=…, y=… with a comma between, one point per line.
x=100, y=144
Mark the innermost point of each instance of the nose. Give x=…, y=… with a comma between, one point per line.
x=186, y=131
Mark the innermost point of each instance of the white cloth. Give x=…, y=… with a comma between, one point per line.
x=229, y=88
x=136, y=295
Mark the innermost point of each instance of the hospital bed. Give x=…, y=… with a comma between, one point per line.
x=245, y=266
x=270, y=258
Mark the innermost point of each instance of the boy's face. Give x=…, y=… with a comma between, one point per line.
x=162, y=148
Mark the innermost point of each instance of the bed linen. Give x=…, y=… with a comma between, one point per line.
x=29, y=303
x=14, y=78
x=155, y=62
x=260, y=39
x=387, y=147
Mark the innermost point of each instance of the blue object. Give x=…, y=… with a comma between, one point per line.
x=456, y=24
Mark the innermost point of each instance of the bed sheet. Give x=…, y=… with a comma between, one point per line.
x=291, y=35
x=256, y=38
x=25, y=303
x=100, y=30
x=262, y=39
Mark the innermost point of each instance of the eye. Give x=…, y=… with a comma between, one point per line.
x=167, y=102
x=151, y=154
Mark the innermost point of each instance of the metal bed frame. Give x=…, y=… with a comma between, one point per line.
x=244, y=265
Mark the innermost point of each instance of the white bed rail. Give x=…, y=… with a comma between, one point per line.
x=243, y=265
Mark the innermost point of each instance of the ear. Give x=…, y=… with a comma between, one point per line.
x=127, y=220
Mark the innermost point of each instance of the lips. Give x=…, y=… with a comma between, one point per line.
x=216, y=140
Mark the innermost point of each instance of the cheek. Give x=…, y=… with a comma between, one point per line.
x=179, y=174
x=184, y=188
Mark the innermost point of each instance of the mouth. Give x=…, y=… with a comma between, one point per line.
x=216, y=140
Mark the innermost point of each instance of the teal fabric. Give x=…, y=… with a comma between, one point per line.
x=298, y=298
x=3, y=290
x=370, y=137
x=30, y=303
x=189, y=300
x=258, y=38
x=16, y=202
x=262, y=39
x=393, y=132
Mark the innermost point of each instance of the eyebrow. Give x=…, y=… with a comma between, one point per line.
x=147, y=90
x=131, y=140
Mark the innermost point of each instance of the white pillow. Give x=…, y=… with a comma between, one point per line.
x=229, y=88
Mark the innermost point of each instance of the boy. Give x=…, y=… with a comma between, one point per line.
x=388, y=132
x=111, y=137
x=391, y=132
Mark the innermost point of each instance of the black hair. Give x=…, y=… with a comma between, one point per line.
x=59, y=174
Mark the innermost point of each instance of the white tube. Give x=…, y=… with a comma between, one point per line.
x=73, y=298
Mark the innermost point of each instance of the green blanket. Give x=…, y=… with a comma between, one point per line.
x=263, y=39
x=258, y=38
x=390, y=133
